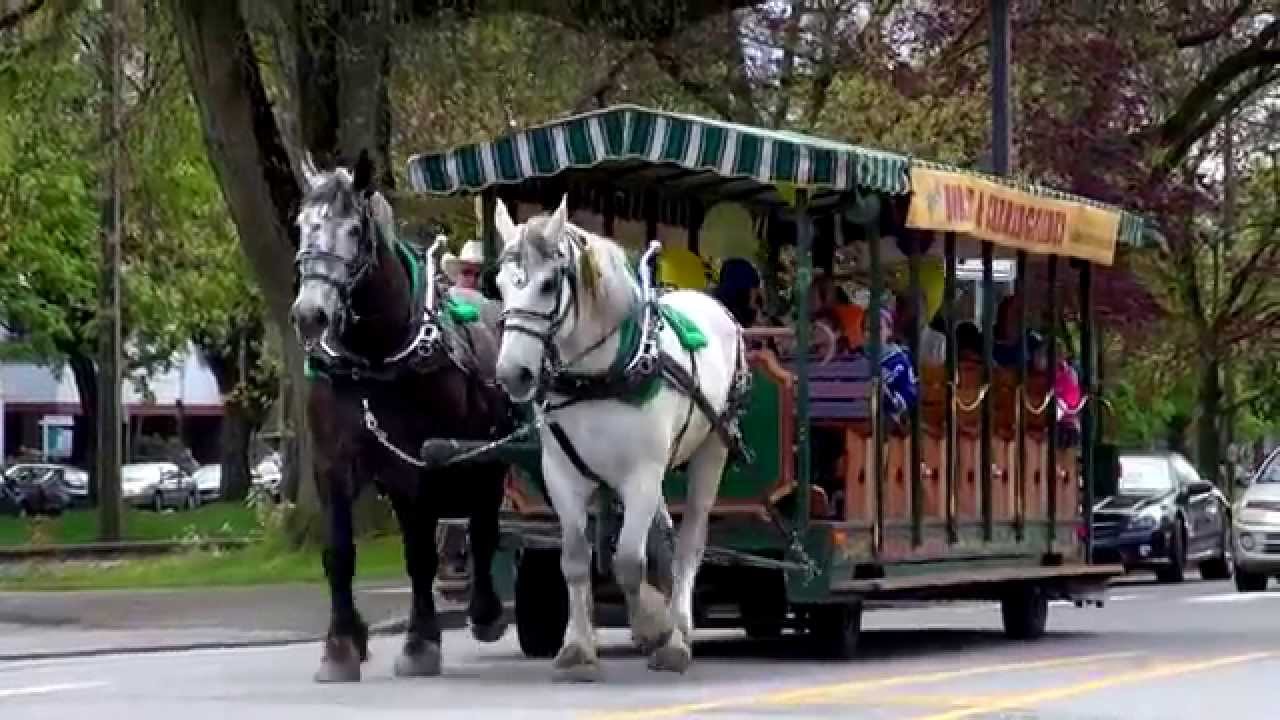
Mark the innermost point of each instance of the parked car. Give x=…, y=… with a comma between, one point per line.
x=1256, y=530
x=267, y=476
x=158, y=485
x=47, y=488
x=1163, y=517
x=209, y=481
x=10, y=499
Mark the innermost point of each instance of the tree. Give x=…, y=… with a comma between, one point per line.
x=49, y=213
x=339, y=106
x=185, y=275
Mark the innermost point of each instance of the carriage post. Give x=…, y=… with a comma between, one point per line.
x=1089, y=416
x=1051, y=353
x=949, y=416
x=917, y=437
x=874, y=346
x=985, y=464
x=1020, y=398
x=804, y=276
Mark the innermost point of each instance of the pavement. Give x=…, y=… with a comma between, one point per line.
x=45, y=624
x=1196, y=650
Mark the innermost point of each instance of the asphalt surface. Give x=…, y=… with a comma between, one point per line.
x=1197, y=650
x=34, y=624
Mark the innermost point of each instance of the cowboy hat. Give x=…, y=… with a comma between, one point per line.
x=472, y=253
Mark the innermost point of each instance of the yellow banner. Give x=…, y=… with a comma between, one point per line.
x=953, y=202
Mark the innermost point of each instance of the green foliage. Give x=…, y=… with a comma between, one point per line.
x=48, y=206
x=260, y=564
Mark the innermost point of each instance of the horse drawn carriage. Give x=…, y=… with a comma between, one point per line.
x=972, y=491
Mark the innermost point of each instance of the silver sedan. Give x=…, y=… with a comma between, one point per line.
x=1256, y=529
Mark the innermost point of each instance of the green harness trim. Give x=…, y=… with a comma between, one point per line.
x=309, y=370
x=461, y=311
x=410, y=260
x=690, y=336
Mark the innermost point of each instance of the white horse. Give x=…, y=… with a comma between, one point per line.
x=567, y=296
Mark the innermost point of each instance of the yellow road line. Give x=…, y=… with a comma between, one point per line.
x=819, y=692
x=1032, y=699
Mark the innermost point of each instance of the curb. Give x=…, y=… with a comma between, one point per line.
x=450, y=619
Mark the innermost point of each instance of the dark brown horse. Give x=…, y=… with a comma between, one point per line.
x=393, y=362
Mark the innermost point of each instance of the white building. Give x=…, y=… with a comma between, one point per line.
x=41, y=407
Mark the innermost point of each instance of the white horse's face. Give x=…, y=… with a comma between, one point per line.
x=536, y=296
x=332, y=251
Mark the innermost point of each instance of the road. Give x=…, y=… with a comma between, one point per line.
x=1192, y=651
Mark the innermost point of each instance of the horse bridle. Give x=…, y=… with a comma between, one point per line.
x=552, y=321
x=424, y=339
x=357, y=266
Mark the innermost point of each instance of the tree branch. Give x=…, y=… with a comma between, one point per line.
x=596, y=91
x=1178, y=150
x=1215, y=31
x=13, y=18
x=1257, y=53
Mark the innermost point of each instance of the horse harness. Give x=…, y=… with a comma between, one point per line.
x=434, y=341
x=635, y=374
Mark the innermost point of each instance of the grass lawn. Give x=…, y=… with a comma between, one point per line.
x=214, y=520
x=267, y=562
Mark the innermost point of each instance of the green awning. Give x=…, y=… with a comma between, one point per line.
x=622, y=138
x=627, y=133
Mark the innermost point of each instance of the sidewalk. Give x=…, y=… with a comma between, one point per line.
x=60, y=624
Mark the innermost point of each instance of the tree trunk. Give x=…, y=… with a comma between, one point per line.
x=237, y=430
x=343, y=102
x=257, y=179
x=1208, y=433
x=84, y=441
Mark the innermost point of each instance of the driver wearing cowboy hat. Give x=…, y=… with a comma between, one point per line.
x=464, y=268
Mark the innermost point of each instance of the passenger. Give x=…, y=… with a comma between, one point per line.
x=464, y=268
x=1007, y=349
x=969, y=341
x=739, y=290
x=1066, y=386
x=824, y=310
x=901, y=387
x=931, y=345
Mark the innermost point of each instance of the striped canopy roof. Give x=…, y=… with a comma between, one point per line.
x=681, y=152
x=625, y=134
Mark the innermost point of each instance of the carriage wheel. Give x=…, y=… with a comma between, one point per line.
x=542, y=603
x=834, y=629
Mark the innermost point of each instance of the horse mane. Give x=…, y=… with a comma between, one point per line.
x=602, y=265
x=335, y=193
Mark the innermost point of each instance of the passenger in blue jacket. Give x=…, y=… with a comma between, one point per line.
x=897, y=373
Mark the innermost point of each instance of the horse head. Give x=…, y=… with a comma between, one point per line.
x=562, y=289
x=337, y=247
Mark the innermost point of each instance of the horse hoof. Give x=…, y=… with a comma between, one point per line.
x=424, y=663
x=648, y=645
x=584, y=673
x=489, y=632
x=675, y=657
x=338, y=671
x=651, y=622
x=575, y=664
